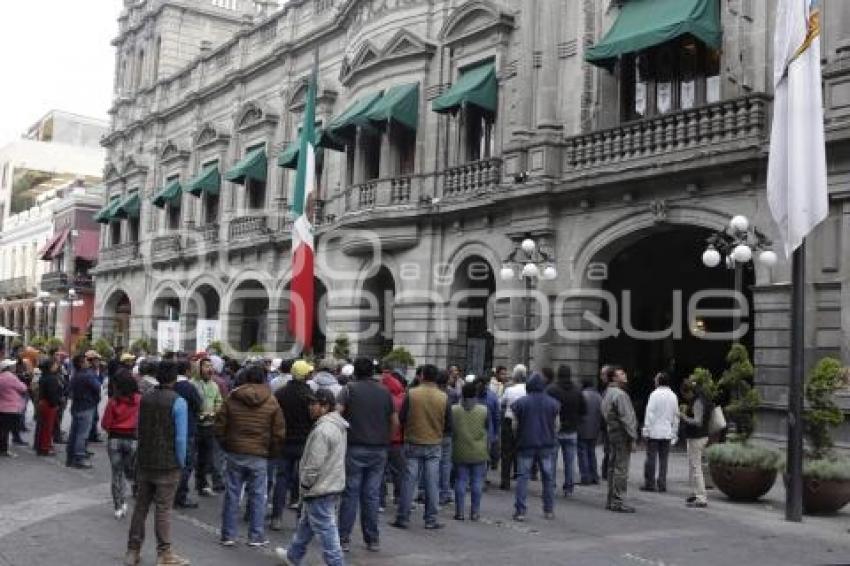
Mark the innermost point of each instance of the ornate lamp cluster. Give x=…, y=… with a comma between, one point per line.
x=528, y=261
x=737, y=243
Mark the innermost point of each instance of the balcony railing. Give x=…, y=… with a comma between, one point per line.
x=400, y=190
x=472, y=178
x=128, y=251
x=366, y=194
x=735, y=120
x=16, y=287
x=209, y=233
x=248, y=226
x=61, y=281
x=165, y=246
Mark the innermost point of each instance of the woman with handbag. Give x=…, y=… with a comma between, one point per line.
x=696, y=419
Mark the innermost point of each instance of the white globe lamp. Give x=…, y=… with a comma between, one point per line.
x=711, y=257
x=530, y=270
x=739, y=223
x=550, y=273
x=506, y=273
x=742, y=253
x=768, y=258
x=528, y=246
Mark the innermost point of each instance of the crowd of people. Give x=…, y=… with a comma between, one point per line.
x=338, y=439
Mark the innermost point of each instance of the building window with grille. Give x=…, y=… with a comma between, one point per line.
x=405, y=144
x=370, y=143
x=211, y=202
x=677, y=75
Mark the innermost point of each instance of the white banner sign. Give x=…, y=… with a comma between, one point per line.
x=207, y=331
x=168, y=336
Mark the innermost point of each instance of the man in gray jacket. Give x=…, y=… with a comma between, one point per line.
x=619, y=415
x=322, y=476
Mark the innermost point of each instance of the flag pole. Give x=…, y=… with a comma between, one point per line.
x=794, y=463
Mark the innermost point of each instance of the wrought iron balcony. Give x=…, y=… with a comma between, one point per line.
x=61, y=281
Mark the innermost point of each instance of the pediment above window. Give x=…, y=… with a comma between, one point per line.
x=403, y=45
x=209, y=134
x=110, y=173
x=131, y=168
x=325, y=97
x=253, y=115
x=475, y=18
x=172, y=153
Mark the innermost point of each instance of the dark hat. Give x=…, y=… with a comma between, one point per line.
x=322, y=396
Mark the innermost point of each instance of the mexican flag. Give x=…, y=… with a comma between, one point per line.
x=301, y=316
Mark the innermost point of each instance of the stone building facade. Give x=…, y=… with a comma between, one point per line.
x=452, y=130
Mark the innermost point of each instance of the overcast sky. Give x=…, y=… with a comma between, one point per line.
x=54, y=54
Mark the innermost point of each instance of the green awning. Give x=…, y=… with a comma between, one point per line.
x=207, y=181
x=647, y=23
x=476, y=86
x=130, y=207
x=288, y=158
x=253, y=166
x=170, y=194
x=355, y=115
x=325, y=139
x=400, y=103
x=105, y=214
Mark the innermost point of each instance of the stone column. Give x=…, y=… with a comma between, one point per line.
x=359, y=158
x=278, y=339
x=188, y=331
x=550, y=27
x=569, y=346
x=772, y=355
x=525, y=73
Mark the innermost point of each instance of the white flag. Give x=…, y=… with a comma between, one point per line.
x=796, y=173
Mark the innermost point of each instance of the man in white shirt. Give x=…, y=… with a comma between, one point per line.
x=660, y=429
x=511, y=394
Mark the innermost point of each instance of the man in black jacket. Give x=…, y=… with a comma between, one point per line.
x=572, y=409
x=294, y=400
x=189, y=392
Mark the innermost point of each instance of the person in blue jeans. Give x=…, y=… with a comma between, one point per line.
x=249, y=426
x=85, y=390
x=368, y=407
x=535, y=423
x=572, y=409
x=322, y=478
x=470, y=450
x=589, y=427
x=426, y=417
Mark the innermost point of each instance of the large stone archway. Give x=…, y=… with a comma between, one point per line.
x=202, y=317
x=114, y=320
x=639, y=277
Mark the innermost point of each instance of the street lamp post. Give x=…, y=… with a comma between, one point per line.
x=737, y=243
x=530, y=262
x=70, y=302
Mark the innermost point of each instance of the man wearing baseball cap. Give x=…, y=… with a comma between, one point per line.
x=322, y=479
x=85, y=397
x=294, y=401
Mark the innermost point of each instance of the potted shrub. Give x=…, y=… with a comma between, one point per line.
x=140, y=347
x=399, y=358
x=342, y=347
x=826, y=476
x=743, y=471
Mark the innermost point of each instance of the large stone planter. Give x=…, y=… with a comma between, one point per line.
x=742, y=483
x=824, y=497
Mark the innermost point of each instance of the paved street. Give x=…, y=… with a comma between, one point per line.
x=51, y=515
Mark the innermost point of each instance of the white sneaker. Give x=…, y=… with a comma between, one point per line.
x=258, y=543
x=121, y=512
x=280, y=552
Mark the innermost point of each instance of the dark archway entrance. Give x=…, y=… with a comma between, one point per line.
x=471, y=348
x=653, y=269
x=379, y=297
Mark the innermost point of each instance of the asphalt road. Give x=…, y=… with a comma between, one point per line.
x=52, y=515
